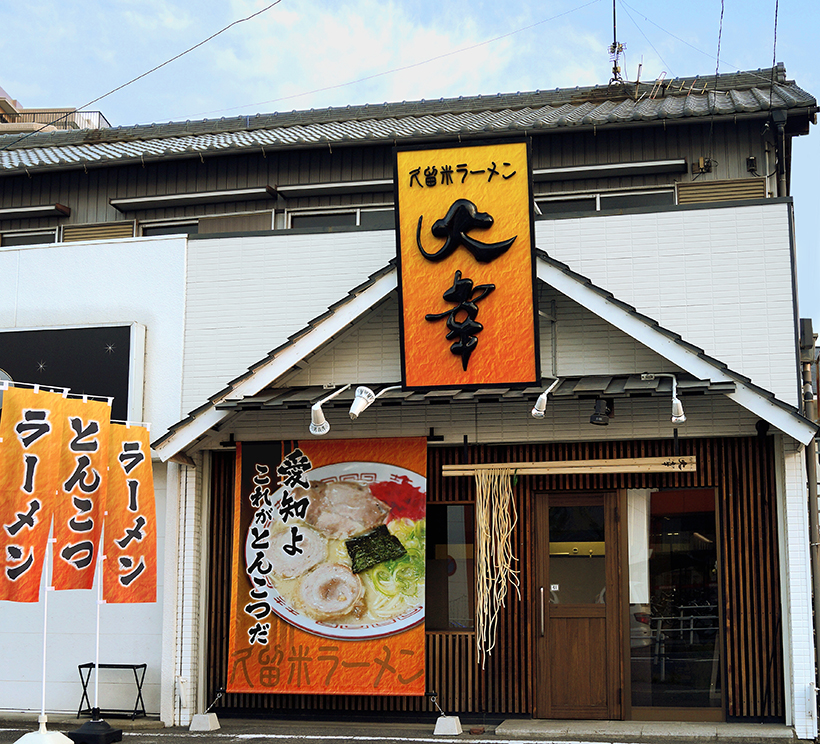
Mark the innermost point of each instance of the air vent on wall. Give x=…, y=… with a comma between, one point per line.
x=695, y=192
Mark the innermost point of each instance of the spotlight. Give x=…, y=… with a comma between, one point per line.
x=601, y=415
x=541, y=404
x=678, y=416
x=364, y=397
x=318, y=422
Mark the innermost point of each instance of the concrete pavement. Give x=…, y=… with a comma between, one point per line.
x=518, y=731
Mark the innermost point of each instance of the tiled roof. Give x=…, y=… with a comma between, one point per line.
x=604, y=386
x=742, y=93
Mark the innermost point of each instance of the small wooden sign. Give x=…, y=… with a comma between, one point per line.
x=671, y=464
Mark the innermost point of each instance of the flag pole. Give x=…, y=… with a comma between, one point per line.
x=49, y=544
x=43, y=735
x=97, y=731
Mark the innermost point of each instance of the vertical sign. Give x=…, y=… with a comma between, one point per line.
x=328, y=568
x=30, y=429
x=465, y=251
x=80, y=506
x=130, y=568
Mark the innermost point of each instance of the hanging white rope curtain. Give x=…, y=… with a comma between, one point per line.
x=496, y=518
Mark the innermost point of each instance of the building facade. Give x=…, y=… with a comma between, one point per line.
x=661, y=558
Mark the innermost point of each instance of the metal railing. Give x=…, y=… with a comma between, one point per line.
x=59, y=118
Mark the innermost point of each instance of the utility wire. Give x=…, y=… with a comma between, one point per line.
x=774, y=54
x=717, y=74
x=700, y=51
x=405, y=67
x=626, y=8
x=145, y=74
x=669, y=33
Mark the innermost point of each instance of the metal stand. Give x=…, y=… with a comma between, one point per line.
x=97, y=731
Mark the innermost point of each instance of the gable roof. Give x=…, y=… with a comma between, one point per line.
x=364, y=298
x=741, y=94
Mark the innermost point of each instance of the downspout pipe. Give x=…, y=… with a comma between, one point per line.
x=779, y=117
x=807, y=357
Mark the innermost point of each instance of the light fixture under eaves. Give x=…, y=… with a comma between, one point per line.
x=678, y=416
x=364, y=397
x=602, y=412
x=318, y=422
x=540, y=406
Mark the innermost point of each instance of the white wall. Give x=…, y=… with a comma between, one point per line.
x=719, y=277
x=247, y=295
x=139, y=280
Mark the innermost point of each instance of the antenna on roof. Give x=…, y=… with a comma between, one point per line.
x=616, y=49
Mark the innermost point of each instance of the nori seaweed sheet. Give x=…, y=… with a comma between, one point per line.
x=375, y=547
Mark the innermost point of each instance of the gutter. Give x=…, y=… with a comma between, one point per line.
x=807, y=358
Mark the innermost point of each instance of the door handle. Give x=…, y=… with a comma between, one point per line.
x=542, y=611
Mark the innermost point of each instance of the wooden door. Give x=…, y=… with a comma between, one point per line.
x=578, y=638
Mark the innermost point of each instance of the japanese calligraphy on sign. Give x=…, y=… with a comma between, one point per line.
x=130, y=571
x=31, y=429
x=83, y=481
x=466, y=258
x=329, y=556
x=64, y=466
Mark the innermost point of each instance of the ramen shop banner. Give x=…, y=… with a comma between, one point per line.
x=328, y=567
x=66, y=469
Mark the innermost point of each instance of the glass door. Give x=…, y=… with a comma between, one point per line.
x=673, y=612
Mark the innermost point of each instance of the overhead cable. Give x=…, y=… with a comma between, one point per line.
x=145, y=74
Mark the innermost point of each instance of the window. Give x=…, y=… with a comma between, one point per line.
x=604, y=201
x=374, y=219
x=187, y=228
x=331, y=219
x=29, y=238
x=450, y=600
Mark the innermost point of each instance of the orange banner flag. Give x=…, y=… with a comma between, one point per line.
x=130, y=568
x=78, y=515
x=30, y=430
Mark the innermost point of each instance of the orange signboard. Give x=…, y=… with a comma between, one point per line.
x=466, y=264
x=130, y=568
x=327, y=594
x=80, y=501
x=30, y=436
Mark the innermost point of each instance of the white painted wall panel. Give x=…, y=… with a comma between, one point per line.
x=129, y=634
x=369, y=353
x=74, y=284
x=795, y=573
x=140, y=280
x=721, y=278
x=585, y=345
x=247, y=295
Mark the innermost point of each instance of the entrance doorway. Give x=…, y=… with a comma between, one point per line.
x=577, y=594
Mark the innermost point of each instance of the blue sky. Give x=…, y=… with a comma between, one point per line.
x=305, y=54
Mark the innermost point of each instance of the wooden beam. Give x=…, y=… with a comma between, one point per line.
x=679, y=464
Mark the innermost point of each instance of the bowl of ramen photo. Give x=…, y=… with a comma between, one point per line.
x=347, y=553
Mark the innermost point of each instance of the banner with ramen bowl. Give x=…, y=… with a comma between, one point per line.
x=328, y=567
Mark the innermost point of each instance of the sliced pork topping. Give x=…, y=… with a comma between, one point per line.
x=331, y=591
x=342, y=509
x=291, y=556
